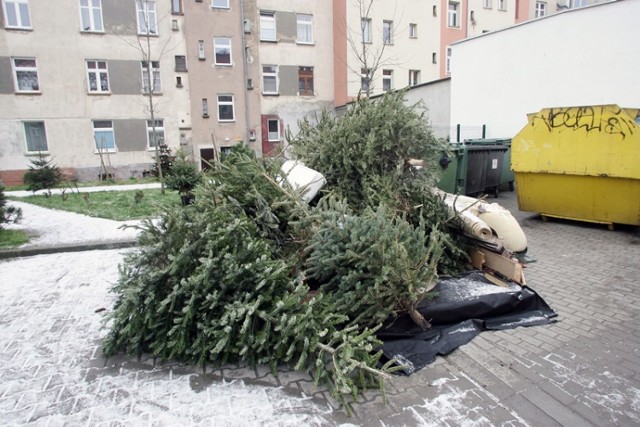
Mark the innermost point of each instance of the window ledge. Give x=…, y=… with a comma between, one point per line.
x=99, y=93
x=222, y=65
x=268, y=41
x=110, y=151
x=154, y=93
x=306, y=43
x=205, y=116
x=226, y=121
x=270, y=94
x=34, y=92
x=18, y=28
x=149, y=35
x=92, y=32
x=37, y=153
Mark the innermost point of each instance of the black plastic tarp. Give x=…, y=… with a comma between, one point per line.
x=463, y=307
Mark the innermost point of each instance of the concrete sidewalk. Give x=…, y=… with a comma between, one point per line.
x=582, y=371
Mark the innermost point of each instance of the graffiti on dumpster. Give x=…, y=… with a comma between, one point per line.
x=606, y=119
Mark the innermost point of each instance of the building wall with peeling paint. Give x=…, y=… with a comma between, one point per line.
x=586, y=56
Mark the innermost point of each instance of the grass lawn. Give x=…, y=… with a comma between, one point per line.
x=116, y=205
x=12, y=238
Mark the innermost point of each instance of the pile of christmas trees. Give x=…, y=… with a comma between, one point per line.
x=250, y=272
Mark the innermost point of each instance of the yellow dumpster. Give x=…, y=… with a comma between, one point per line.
x=580, y=163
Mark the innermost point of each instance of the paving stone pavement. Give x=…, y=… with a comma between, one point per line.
x=583, y=370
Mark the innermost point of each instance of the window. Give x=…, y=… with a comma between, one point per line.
x=205, y=107
x=16, y=14
x=452, y=14
x=176, y=7
x=273, y=130
x=365, y=80
x=25, y=73
x=487, y=4
x=91, y=15
x=365, y=23
x=181, y=62
x=159, y=140
x=448, y=65
x=35, y=136
x=155, y=72
x=201, y=49
x=305, y=81
x=222, y=49
x=578, y=3
x=267, y=26
x=270, y=79
x=387, y=80
x=434, y=58
x=220, y=4
x=414, y=77
x=387, y=29
x=541, y=9
x=305, y=28
x=502, y=4
x=413, y=31
x=225, y=108
x=103, y=135
x=146, y=11
x=97, y=76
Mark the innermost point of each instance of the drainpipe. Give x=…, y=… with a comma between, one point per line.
x=245, y=73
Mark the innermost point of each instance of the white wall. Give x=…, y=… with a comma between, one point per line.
x=578, y=57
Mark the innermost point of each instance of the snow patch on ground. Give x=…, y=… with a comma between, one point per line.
x=607, y=393
x=457, y=404
x=52, y=372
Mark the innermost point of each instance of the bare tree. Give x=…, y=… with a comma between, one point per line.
x=146, y=23
x=369, y=54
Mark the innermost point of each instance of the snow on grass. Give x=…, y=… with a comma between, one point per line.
x=466, y=288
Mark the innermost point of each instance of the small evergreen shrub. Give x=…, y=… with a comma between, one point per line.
x=42, y=174
x=8, y=214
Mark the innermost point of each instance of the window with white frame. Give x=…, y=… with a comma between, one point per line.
x=201, y=54
x=541, y=9
x=267, y=26
x=448, y=64
x=452, y=14
x=147, y=22
x=25, y=75
x=414, y=77
x=305, y=81
x=91, y=15
x=147, y=84
x=103, y=136
x=270, y=79
x=159, y=130
x=35, y=137
x=273, y=130
x=413, y=31
x=387, y=80
x=365, y=24
x=220, y=4
x=365, y=80
x=487, y=4
x=578, y=3
x=97, y=76
x=16, y=14
x=305, y=29
x=222, y=50
x=387, y=32
x=226, y=111
x=502, y=4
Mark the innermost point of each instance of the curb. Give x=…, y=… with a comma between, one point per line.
x=25, y=252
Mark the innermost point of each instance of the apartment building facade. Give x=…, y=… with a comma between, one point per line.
x=75, y=76
x=98, y=84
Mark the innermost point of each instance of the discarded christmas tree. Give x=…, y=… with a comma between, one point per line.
x=253, y=273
